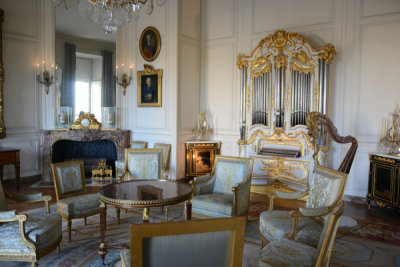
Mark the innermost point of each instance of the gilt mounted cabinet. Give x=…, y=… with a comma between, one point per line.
x=384, y=180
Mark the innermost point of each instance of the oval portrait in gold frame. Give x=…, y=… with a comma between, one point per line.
x=150, y=43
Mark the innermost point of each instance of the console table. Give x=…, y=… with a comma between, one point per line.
x=384, y=180
x=10, y=156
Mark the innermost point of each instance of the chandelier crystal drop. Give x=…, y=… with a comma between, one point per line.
x=112, y=14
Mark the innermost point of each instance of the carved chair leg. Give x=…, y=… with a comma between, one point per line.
x=85, y=219
x=69, y=229
x=166, y=213
x=118, y=210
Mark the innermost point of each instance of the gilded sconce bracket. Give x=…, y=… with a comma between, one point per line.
x=46, y=79
x=124, y=82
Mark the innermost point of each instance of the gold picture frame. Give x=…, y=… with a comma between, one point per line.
x=150, y=43
x=148, y=95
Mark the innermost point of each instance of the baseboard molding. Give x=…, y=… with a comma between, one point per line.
x=356, y=199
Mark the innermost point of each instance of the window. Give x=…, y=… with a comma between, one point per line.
x=88, y=84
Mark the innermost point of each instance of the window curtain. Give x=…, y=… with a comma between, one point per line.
x=68, y=80
x=107, y=81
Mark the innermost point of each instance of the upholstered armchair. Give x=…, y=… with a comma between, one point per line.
x=287, y=252
x=120, y=164
x=197, y=243
x=72, y=200
x=305, y=225
x=142, y=164
x=27, y=237
x=225, y=192
x=166, y=156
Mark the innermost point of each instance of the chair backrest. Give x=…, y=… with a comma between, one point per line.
x=315, y=121
x=139, y=144
x=166, y=154
x=3, y=202
x=328, y=235
x=229, y=171
x=327, y=188
x=212, y=242
x=144, y=163
x=69, y=178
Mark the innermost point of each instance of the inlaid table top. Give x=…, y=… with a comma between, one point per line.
x=145, y=193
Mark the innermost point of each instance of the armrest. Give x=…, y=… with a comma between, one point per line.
x=203, y=184
x=10, y=216
x=314, y=212
x=241, y=193
x=30, y=198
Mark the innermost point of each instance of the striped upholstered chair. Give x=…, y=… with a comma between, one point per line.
x=225, y=192
x=166, y=156
x=120, y=164
x=72, y=200
x=27, y=237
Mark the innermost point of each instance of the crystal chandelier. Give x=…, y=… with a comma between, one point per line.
x=113, y=13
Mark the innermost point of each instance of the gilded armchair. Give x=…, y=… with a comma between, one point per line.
x=325, y=195
x=287, y=252
x=70, y=186
x=225, y=192
x=27, y=237
x=120, y=164
x=142, y=164
x=166, y=156
x=213, y=242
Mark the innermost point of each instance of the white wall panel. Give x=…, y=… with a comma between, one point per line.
x=374, y=7
x=379, y=75
x=190, y=19
x=20, y=85
x=272, y=14
x=218, y=19
x=19, y=17
x=219, y=85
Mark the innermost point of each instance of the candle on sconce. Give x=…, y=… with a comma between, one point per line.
x=130, y=69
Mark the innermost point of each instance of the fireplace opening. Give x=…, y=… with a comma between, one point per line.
x=91, y=152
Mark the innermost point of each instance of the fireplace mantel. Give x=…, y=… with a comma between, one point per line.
x=121, y=139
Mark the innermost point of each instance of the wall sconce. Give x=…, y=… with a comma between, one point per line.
x=44, y=76
x=125, y=80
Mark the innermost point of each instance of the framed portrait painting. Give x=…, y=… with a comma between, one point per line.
x=150, y=43
x=149, y=87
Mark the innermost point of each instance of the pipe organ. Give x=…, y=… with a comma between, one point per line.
x=283, y=80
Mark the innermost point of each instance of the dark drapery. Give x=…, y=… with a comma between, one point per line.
x=107, y=81
x=68, y=80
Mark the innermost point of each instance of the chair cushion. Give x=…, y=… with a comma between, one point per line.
x=288, y=253
x=228, y=173
x=144, y=165
x=43, y=229
x=78, y=206
x=277, y=224
x=213, y=204
x=69, y=178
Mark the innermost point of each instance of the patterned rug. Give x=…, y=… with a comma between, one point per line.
x=356, y=245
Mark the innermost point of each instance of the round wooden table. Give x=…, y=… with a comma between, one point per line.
x=141, y=194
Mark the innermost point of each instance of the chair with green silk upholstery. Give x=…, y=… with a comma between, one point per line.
x=326, y=193
x=166, y=156
x=142, y=164
x=196, y=243
x=120, y=164
x=72, y=200
x=27, y=237
x=275, y=224
x=287, y=252
x=225, y=191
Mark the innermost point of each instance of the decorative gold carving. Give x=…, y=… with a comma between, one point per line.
x=328, y=53
x=277, y=167
x=86, y=121
x=380, y=204
x=301, y=68
x=240, y=61
x=387, y=160
x=280, y=60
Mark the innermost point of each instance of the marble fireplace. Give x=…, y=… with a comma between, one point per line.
x=84, y=139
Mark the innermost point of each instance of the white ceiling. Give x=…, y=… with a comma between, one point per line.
x=72, y=23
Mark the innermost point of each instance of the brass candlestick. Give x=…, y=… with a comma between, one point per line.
x=203, y=127
x=46, y=79
x=391, y=138
x=124, y=83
